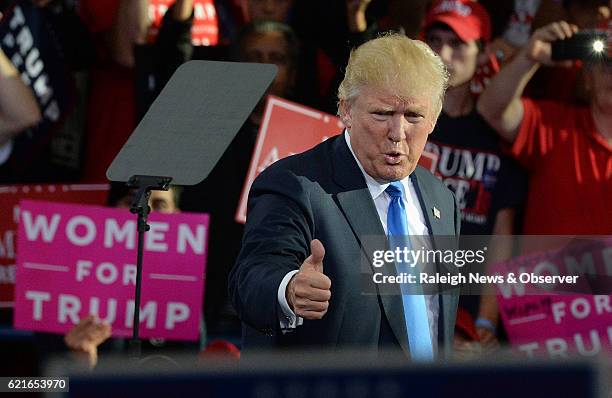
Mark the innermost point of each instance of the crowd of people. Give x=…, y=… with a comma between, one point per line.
x=544, y=127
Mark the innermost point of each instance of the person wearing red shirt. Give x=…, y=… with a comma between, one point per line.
x=566, y=148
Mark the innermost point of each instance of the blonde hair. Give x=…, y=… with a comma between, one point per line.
x=403, y=66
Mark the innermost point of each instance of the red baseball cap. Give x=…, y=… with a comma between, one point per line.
x=468, y=19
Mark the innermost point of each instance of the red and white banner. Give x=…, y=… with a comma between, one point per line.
x=287, y=128
x=74, y=261
x=10, y=195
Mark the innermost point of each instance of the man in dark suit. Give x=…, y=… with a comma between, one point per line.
x=300, y=278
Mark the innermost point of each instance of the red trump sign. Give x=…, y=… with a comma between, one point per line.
x=287, y=128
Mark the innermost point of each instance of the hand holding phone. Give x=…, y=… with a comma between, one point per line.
x=588, y=45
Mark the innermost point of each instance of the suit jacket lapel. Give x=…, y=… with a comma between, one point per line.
x=359, y=209
x=434, y=224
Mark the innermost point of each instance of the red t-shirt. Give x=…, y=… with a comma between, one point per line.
x=570, y=165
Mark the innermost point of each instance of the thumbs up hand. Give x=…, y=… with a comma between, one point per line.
x=308, y=292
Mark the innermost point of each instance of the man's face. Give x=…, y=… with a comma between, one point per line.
x=388, y=134
x=600, y=81
x=163, y=202
x=269, y=10
x=159, y=201
x=271, y=48
x=459, y=57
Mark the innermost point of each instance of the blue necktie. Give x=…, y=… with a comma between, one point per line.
x=415, y=310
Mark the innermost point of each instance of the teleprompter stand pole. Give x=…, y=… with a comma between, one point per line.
x=183, y=135
x=140, y=206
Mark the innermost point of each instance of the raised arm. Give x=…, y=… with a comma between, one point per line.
x=85, y=338
x=130, y=28
x=356, y=15
x=18, y=107
x=500, y=103
x=173, y=44
x=182, y=10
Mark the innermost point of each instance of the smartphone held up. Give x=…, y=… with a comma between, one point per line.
x=587, y=45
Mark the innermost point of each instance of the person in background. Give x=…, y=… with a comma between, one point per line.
x=465, y=151
x=52, y=62
x=270, y=43
x=566, y=148
x=165, y=202
x=549, y=82
x=363, y=24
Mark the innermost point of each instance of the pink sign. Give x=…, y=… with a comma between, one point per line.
x=77, y=260
x=547, y=319
x=10, y=195
x=287, y=128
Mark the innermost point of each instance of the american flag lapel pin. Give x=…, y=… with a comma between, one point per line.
x=436, y=212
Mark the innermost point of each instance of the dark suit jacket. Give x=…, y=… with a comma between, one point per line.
x=322, y=194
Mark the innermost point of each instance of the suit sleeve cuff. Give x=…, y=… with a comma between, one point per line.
x=286, y=317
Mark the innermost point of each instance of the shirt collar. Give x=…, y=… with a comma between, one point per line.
x=376, y=188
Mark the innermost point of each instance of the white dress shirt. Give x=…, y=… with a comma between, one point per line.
x=416, y=226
